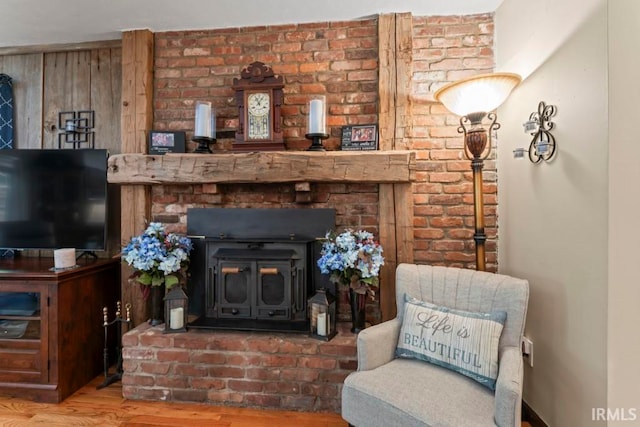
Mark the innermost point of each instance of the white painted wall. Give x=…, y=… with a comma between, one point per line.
x=624, y=209
x=553, y=217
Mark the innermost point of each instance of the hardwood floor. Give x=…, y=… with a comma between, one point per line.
x=107, y=407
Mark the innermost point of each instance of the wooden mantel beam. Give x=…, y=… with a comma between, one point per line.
x=264, y=167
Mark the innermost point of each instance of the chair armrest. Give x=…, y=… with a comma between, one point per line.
x=377, y=344
x=508, y=402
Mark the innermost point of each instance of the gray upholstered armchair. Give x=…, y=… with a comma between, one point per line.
x=390, y=391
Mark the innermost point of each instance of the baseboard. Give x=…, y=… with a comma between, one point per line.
x=530, y=415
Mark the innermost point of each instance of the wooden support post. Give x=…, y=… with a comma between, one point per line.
x=136, y=121
x=395, y=200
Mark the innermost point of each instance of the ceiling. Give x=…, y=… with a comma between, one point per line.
x=37, y=22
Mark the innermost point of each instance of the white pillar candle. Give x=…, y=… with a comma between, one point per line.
x=322, y=324
x=203, y=119
x=176, y=320
x=317, y=119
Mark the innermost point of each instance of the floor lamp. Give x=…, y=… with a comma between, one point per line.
x=474, y=99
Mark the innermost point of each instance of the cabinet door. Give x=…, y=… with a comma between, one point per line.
x=23, y=332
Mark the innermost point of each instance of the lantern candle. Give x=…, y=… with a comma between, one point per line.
x=177, y=318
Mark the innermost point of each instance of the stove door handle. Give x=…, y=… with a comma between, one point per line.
x=266, y=270
x=231, y=270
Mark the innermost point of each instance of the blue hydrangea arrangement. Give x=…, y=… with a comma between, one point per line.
x=158, y=257
x=352, y=258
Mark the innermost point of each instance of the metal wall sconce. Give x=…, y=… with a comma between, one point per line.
x=543, y=143
x=205, y=127
x=76, y=128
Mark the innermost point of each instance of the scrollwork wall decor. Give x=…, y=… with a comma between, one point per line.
x=543, y=143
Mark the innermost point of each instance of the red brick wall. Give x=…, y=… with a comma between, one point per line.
x=447, y=48
x=337, y=59
x=281, y=371
x=340, y=60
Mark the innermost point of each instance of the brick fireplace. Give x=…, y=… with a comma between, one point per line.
x=234, y=352
x=420, y=205
x=257, y=369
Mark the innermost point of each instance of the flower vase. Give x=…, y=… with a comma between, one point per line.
x=358, y=303
x=157, y=305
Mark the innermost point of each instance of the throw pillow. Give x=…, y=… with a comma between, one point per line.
x=463, y=341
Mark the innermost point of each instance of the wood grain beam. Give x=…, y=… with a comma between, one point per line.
x=136, y=121
x=264, y=167
x=395, y=40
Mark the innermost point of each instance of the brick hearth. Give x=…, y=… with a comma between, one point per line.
x=256, y=369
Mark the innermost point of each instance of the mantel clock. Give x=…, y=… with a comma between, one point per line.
x=259, y=98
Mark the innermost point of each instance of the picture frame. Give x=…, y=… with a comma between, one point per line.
x=359, y=137
x=162, y=142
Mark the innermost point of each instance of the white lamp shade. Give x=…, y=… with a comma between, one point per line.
x=481, y=93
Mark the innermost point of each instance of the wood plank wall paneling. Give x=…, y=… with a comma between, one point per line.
x=106, y=94
x=136, y=121
x=47, y=83
x=67, y=77
x=26, y=72
x=395, y=200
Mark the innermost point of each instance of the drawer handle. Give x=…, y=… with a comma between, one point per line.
x=265, y=270
x=272, y=313
x=234, y=311
x=231, y=270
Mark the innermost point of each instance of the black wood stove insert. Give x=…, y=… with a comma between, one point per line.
x=255, y=269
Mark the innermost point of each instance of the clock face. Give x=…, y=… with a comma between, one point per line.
x=258, y=115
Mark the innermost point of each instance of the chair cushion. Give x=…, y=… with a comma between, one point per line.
x=408, y=392
x=463, y=341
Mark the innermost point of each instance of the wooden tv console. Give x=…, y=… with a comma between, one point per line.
x=51, y=325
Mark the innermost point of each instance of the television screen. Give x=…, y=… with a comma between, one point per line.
x=51, y=199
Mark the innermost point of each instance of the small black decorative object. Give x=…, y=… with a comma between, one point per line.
x=203, y=144
x=156, y=295
x=117, y=321
x=161, y=142
x=175, y=310
x=322, y=311
x=316, y=141
x=76, y=128
x=358, y=304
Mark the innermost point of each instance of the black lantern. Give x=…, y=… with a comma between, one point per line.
x=175, y=310
x=322, y=311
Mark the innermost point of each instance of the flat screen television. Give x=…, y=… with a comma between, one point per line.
x=52, y=199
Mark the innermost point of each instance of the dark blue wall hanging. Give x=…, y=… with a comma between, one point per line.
x=6, y=127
